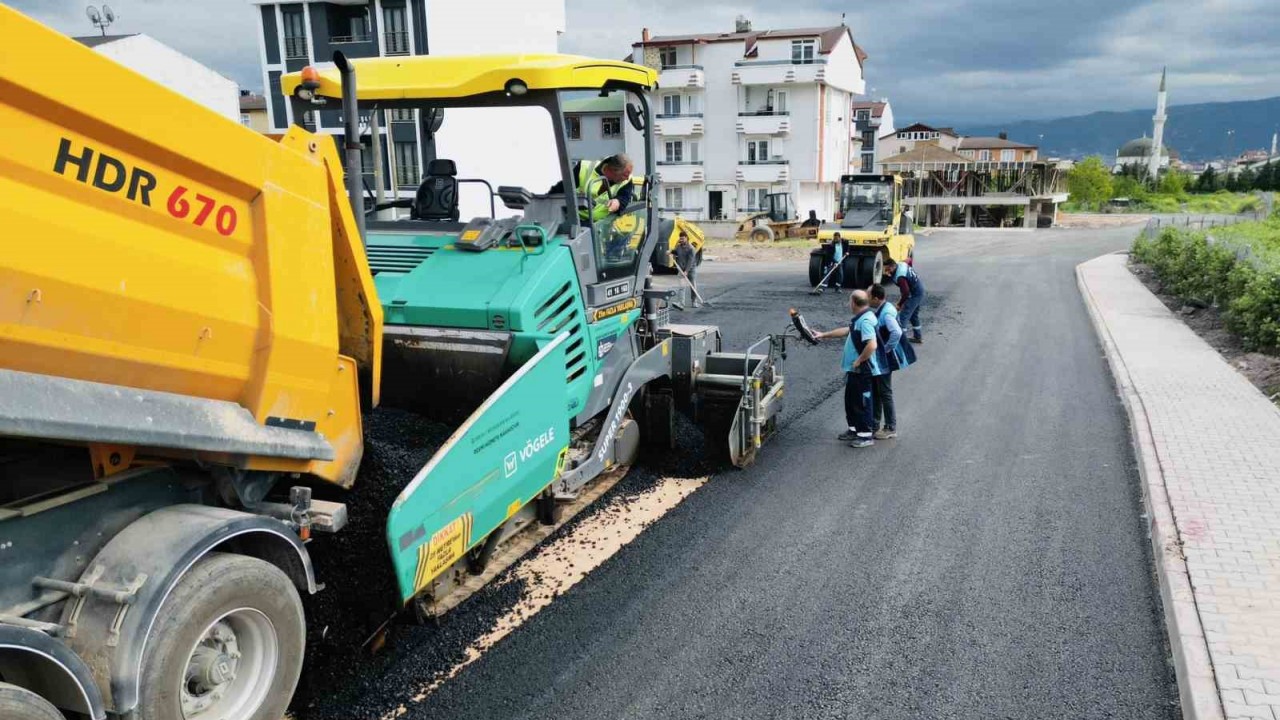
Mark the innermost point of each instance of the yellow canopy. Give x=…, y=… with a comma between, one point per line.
x=429, y=77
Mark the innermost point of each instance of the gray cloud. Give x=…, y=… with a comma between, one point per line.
x=944, y=61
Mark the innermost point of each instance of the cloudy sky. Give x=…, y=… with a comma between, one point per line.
x=941, y=61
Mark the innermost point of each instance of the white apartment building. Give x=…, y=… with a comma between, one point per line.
x=872, y=122
x=740, y=115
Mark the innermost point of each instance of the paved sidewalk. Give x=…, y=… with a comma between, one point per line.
x=1208, y=447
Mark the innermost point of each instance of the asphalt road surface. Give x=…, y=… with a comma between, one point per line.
x=990, y=563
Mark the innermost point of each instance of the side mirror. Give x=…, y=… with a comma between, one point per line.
x=636, y=117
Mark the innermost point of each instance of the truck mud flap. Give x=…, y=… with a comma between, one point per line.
x=506, y=452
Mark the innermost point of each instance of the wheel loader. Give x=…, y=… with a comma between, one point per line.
x=871, y=228
x=193, y=318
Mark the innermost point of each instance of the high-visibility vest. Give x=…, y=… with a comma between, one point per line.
x=598, y=189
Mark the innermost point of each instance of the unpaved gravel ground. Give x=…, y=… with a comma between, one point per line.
x=991, y=563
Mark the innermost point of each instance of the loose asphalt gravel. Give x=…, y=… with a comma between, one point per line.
x=990, y=563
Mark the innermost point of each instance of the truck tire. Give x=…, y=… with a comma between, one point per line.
x=21, y=704
x=815, y=269
x=226, y=645
x=850, y=271
x=761, y=233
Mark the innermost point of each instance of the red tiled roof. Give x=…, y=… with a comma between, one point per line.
x=917, y=127
x=876, y=108
x=828, y=38
x=991, y=143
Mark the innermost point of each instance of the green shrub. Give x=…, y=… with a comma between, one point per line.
x=1240, y=273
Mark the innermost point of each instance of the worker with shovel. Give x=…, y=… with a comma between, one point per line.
x=687, y=265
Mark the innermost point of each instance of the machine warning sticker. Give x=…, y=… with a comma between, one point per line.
x=616, y=309
x=444, y=548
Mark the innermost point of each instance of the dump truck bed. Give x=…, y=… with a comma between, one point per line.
x=193, y=258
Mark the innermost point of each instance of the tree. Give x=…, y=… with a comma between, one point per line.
x=1266, y=179
x=1173, y=183
x=1090, y=182
x=1126, y=186
x=1208, y=181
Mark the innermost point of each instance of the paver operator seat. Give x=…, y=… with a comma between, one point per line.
x=437, y=197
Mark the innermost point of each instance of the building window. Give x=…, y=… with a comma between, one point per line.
x=756, y=198
x=348, y=24
x=402, y=115
x=395, y=34
x=693, y=151
x=407, y=164
x=295, y=34
x=244, y=119
x=1006, y=156
x=757, y=151
x=675, y=151
x=802, y=52
x=611, y=126
x=864, y=115
x=573, y=127
x=984, y=154
x=868, y=138
x=670, y=104
x=667, y=57
x=674, y=198
x=868, y=162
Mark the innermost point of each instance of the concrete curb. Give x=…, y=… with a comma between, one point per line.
x=1197, y=684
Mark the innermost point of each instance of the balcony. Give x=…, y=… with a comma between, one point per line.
x=778, y=72
x=764, y=171
x=677, y=125
x=348, y=39
x=396, y=43
x=681, y=76
x=764, y=123
x=680, y=171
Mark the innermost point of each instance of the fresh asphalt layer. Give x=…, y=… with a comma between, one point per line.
x=990, y=563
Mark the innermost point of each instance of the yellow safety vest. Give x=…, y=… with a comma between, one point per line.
x=598, y=189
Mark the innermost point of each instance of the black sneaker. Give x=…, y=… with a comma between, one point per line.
x=862, y=441
x=846, y=436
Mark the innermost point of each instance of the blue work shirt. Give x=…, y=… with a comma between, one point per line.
x=862, y=329
x=893, y=355
x=908, y=273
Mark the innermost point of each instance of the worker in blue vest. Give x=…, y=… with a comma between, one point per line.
x=860, y=364
x=893, y=355
x=912, y=297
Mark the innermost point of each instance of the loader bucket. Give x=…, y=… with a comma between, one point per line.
x=441, y=372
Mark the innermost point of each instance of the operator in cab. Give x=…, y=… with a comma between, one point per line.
x=607, y=182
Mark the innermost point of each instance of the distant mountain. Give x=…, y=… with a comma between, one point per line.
x=1197, y=132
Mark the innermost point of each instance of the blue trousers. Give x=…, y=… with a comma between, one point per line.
x=858, y=402
x=909, y=313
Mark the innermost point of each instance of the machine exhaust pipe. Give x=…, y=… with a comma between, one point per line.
x=351, y=133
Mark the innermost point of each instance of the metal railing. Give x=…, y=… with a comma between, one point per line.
x=678, y=162
x=764, y=113
x=668, y=116
x=680, y=67
x=397, y=43
x=682, y=208
x=295, y=48
x=775, y=161
x=343, y=39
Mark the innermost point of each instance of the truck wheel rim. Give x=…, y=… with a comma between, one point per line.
x=231, y=667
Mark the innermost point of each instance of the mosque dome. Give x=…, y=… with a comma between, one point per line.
x=1141, y=147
